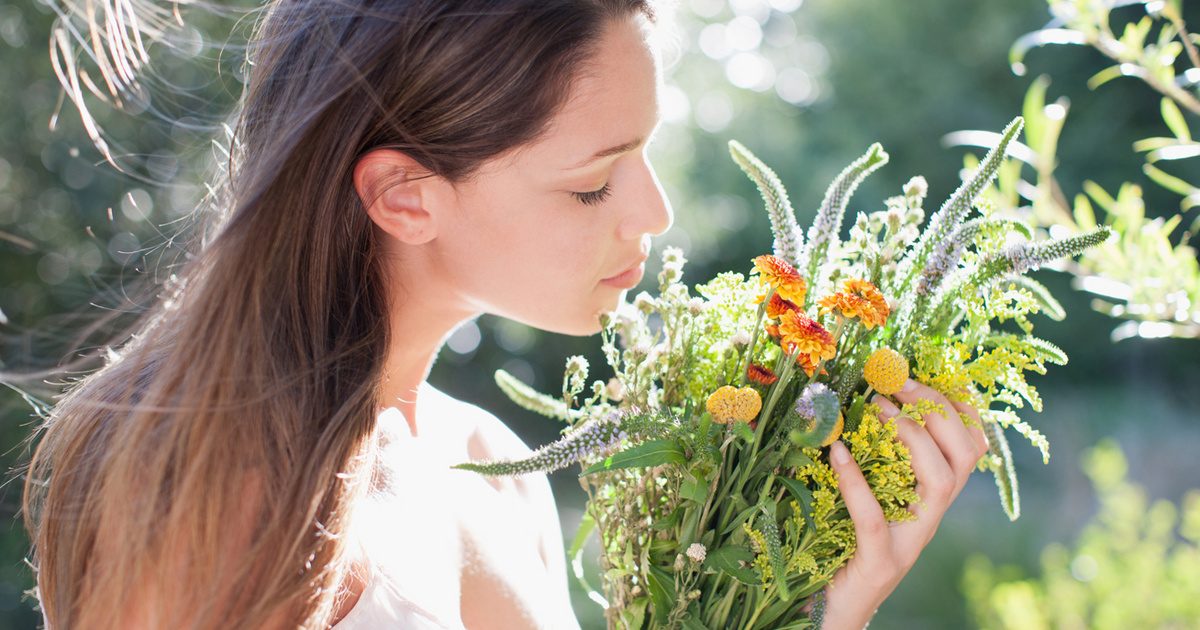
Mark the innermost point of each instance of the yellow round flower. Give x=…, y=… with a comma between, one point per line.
x=731, y=403
x=836, y=432
x=886, y=371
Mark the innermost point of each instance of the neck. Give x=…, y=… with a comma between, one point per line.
x=419, y=329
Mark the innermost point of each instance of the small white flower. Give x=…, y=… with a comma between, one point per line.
x=616, y=389
x=644, y=302
x=697, y=552
x=741, y=339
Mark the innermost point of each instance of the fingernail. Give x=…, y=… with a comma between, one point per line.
x=909, y=385
x=838, y=452
x=886, y=408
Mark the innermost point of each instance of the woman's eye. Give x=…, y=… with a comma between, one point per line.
x=593, y=196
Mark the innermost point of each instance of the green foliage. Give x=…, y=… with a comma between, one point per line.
x=1149, y=273
x=1135, y=565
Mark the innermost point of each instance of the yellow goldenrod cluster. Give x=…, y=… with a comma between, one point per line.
x=731, y=403
x=758, y=543
x=886, y=371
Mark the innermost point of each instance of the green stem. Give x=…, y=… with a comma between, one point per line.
x=762, y=605
x=749, y=353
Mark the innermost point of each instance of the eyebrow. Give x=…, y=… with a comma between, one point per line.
x=603, y=153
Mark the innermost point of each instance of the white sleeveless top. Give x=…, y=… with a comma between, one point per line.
x=381, y=607
x=389, y=538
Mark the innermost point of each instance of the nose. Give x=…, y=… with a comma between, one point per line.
x=650, y=211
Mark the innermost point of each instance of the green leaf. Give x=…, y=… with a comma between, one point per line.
x=742, y=429
x=1110, y=73
x=799, y=491
x=650, y=453
x=669, y=521
x=575, y=553
x=1001, y=465
x=1050, y=306
x=1085, y=216
x=693, y=489
x=691, y=623
x=662, y=593
x=796, y=458
x=739, y=519
x=1168, y=181
x=1029, y=41
x=633, y=616
x=727, y=558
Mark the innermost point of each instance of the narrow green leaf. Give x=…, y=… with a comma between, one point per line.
x=1168, y=181
x=669, y=521
x=650, y=453
x=662, y=592
x=1085, y=216
x=1051, y=307
x=1046, y=36
x=742, y=517
x=1112, y=72
x=800, y=492
x=1001, y=465
x=586, y=526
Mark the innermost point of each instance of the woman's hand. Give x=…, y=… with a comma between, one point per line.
x=944, y=452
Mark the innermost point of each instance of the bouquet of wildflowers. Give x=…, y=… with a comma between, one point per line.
x=704, y=456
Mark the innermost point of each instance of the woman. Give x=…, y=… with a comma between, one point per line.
x=265, y=451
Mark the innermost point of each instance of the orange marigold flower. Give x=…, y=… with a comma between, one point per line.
x=761, y=375
x=858, y=298
x=779, y=274
x=778, y=305
x=804, y=333
x=772, y=331
x=807, y=364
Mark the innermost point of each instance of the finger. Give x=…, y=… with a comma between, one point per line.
x=870, y=526
x=935, y=479
x=947, y=430
x=976, y=430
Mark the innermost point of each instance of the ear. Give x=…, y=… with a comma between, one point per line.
x=395, y=191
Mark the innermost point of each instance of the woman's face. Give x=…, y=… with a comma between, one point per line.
x=521, y=239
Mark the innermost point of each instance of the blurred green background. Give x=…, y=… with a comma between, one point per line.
x=807, y=85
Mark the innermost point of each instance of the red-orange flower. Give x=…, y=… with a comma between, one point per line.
x=806, y=363
x=761, y=375
x=772, y=331
x=858, y=298
x=778, y=305
x=801, y=332
x=781, y=275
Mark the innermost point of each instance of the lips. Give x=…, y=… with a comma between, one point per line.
x=631, y=267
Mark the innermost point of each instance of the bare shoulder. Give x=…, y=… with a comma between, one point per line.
x=488, y=436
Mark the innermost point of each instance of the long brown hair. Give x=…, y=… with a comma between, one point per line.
x=247, y=394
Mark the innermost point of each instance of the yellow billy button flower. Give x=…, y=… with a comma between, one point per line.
x=886, y=370
x=731, y=403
